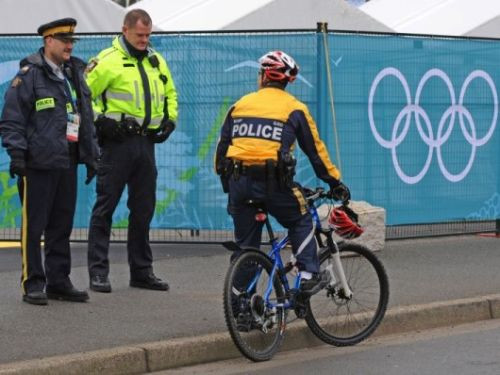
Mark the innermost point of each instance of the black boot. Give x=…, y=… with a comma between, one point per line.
x=100, y=284
x=149, y=282
x=66, y=293
x=35, y=298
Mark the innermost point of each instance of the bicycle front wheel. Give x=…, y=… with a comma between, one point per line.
x=256, y=328
x=341, y=321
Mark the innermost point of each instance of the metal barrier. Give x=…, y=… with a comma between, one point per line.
x=415, y=119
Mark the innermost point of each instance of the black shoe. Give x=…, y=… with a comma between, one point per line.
x=100, y=284
x=66, y=293
x=313, y=285
x=35, y=298
x=149, y=282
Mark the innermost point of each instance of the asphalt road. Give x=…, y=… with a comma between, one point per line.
x=468, y=349
x=420, y=271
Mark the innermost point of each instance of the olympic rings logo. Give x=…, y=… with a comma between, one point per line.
x=444, y=128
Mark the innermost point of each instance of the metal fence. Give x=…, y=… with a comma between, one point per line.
x=411, y=121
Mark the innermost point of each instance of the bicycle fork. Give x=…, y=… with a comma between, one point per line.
x=336, y=269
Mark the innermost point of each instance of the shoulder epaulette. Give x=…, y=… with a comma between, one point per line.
x=24, y=70
x=107, y=52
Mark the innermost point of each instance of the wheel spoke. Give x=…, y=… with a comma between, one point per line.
x=256, y=329
x=339, y=321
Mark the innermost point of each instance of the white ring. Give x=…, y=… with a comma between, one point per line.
x=442, y=134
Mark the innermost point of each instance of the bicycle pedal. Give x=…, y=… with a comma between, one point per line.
x=245, y=323
x=300, y=310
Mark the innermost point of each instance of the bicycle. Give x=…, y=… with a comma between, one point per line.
x=258, y=297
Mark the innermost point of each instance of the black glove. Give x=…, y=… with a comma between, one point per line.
x=17, y=163
x=91, y=172
x=166, y=128
x=340, y=192
x=108, y=128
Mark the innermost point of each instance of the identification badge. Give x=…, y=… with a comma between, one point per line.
x=73, y=125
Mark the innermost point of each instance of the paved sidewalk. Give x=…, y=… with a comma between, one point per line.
x=421, y=271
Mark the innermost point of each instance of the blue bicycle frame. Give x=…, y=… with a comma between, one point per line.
x=275, y=256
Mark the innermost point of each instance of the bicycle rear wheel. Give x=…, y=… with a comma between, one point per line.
x=256, y=330
x=340, y=321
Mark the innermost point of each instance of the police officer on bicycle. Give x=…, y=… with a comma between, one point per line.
x=136, y=103
x=254, y=158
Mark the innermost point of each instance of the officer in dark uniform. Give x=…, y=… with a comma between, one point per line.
x=255, y=160
x=47, y=129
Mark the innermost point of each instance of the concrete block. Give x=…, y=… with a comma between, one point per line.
x=371, y=218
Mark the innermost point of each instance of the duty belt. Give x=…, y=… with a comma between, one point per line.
x=131, y=126
x=154, y=124
x=256, y=172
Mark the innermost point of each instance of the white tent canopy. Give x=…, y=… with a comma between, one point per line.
x=436, y=17
x=203, y=15
x=489, y=29
x=24, y=16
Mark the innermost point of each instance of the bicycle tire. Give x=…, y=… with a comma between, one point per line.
x=254, y=344
x=342, y=322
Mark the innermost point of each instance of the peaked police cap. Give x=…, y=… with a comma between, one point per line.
x=62, y=28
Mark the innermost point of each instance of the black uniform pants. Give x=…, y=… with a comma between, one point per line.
x=287, y=206
x=48, y=201
x=130, y=163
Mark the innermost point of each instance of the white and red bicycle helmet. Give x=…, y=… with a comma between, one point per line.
x=278, y=66
x=343, y=221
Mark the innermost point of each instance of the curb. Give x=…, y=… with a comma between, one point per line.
x=162, y=355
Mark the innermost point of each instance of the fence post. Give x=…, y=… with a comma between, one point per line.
x=322, y=88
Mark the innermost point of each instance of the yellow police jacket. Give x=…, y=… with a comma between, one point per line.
x=270, y=120
x=121, y=85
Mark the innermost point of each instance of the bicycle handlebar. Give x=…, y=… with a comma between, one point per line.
x=319, y=193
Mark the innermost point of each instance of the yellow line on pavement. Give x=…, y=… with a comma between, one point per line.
x=10, y=244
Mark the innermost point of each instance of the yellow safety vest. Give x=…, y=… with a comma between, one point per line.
x=118, y=88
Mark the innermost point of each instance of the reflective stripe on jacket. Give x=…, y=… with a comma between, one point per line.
x=114, y=77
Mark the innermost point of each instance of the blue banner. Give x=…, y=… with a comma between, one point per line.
x=416, y=122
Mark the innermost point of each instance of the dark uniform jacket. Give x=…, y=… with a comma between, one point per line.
x=270, y=120
x=34, y=117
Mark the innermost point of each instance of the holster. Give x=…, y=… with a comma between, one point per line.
x=224, y=180
x=224, y=169
x=130, y=126
x=285, y=170
x=237, y=170
x=271, y=177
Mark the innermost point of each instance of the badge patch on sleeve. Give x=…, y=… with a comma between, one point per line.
x=16, y=82
x=90, y=66
x=44, y=103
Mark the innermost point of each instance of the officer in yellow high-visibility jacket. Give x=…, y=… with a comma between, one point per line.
x=136, y=106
